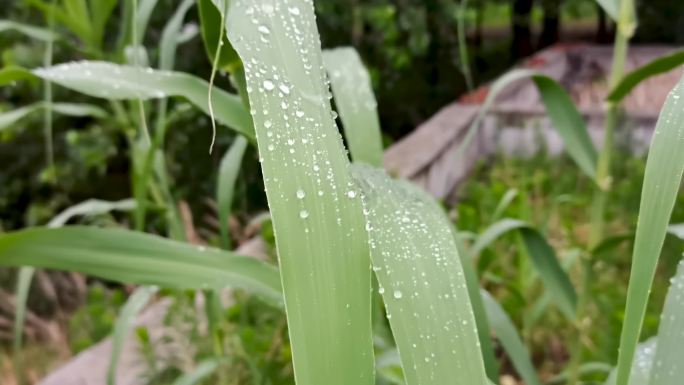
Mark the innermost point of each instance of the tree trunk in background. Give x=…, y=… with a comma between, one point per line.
x=522, y=34
x=551, y=27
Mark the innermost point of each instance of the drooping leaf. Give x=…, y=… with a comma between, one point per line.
x=89, y=207
x=561, y=110
x=315, y=209
x=31, y=31
x=656, y=67
x=137, y=258
x=508, y=335
x=124, y=323
x=421, y=279
x=203, y=370
x=356, y=103
x=543, y=259
x=227, y=175
x=7, y=119
x=113, y=81
x=662, y=181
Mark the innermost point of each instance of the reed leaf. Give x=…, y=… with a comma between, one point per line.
x=422, y=282
x=661, y=185
x=137, y=258
x=115, y=82
x=356, y=103
x=315, y=208
x=656, y=67
x=7, y=119
x=561, y=110
x=543, y=259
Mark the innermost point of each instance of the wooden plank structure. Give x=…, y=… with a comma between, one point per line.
x=517, y=119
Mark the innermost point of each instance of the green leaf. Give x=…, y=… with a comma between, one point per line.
x=504, y=203
x=202, y=371
x=656, y=67
x=662, y=180
x=668, y=369
x=228, y=173
x=170, y=36
x=210, y=20
x=543, y=259
x=315, y=209
x=640, y=373
x=137, y=258
x=7, y=119
x=28, y=30
x=112, y=81
x=11, y=74
x=611, y=7
x=561, y=110
x=124, y=323
x=356, y=103
x=416, y=261
x=89, y=207
x=510, y=339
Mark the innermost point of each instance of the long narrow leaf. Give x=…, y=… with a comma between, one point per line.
x=421, y=279
x=228, y=173
x=28, y=30
x=662, y=181
x=203, y=370
x=543, y=259
x=561, y=110
x=7, y=119
x=124, y=323
x=656, y=67
x=132, y=257
x=510, y=339
x=315, y=209
x=356, y=103
x=668, y=369
x=113, y=81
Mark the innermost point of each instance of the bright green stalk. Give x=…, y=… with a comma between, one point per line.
x=463, y=56
x=47, y=96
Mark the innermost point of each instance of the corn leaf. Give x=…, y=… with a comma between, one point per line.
x=210, y=20
x=113, y=81
x=7, y=119
x=543, y=259
x=124, y=323
x=422, y=282
x=640, y=372
x=203, y=370
x=137, y=258
x=656, y=67
x=561, y=110
x=611, y=7
x=31, y=31
x=662, y=180
x=508, y=335
x=315, y=208
x=228, y=173
x=356, y=103
x=668, y=368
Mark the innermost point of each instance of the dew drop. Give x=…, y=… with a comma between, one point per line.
x=268, y=85
x=284, y=89
x=303, y=214
x=351, y=194
x=398, y=294
x=264, y=29
x=301, y=194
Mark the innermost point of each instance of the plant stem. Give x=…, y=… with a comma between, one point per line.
x=624, y=32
